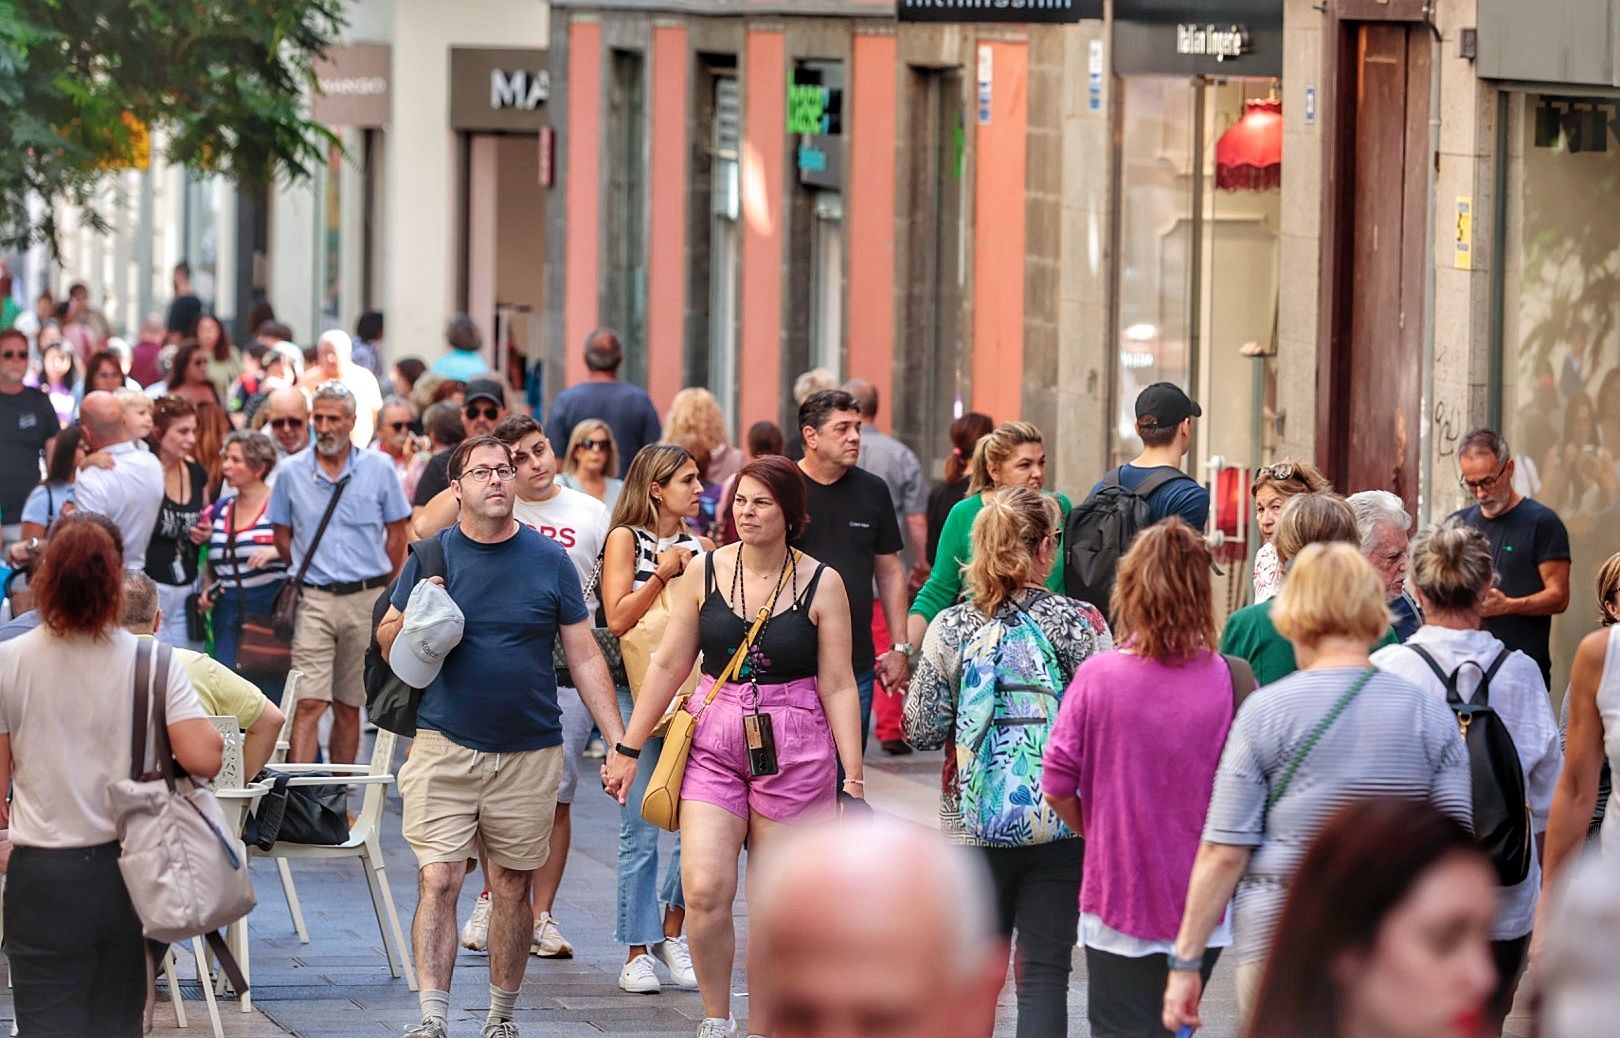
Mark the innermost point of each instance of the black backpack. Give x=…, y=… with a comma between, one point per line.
x=1100, y=530
x=1501, y=809
x=390, y=703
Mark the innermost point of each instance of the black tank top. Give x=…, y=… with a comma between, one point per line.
x=787, y=651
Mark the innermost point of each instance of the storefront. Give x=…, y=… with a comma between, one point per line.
x=1199, y=115
x=1557, y=292
x=355, y=100
x=498, y=111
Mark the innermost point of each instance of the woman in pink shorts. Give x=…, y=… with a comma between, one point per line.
x=796, y=682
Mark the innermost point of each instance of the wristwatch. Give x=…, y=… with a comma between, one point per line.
x=1180, y=965
x=904, y=648
x=624, y=751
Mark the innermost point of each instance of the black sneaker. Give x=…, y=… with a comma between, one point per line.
x=896, y=747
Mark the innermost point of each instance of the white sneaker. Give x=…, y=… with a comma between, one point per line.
x=596, y=749
x=475, y=934
x=638, y=977
x=548, y=941
x=714, y=1027
x=673, y=953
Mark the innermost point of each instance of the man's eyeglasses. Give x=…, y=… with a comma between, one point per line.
x=13, y=354
x=1487, y=484
x=490, y=413
x=481, y=474
x=595, y=445
x=397, y=426
x=286, y=423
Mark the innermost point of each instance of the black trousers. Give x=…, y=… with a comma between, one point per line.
x=1125, y=995
x=1510, y=958
x=1038, y=898
x=78, y=961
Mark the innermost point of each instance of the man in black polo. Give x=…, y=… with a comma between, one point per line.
x=1528, y=542
x=852, y=528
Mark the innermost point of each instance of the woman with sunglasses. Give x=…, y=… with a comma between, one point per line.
x=592, y=454
x=189, y=378
x=395, y=439
x=1273, y=487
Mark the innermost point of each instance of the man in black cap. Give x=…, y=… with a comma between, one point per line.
x=482, y=409
x=1164, y=417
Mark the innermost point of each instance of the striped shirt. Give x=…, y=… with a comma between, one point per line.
x=649, y=547
x=231, y=563
x=1394, y=739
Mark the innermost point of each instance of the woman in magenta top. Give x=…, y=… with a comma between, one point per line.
x=1131, y=764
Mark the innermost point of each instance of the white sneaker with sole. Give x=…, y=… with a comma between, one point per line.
x=548, y=941
x=673, y=953
x=475, y=934
x=638, y=977
x=714, y=1027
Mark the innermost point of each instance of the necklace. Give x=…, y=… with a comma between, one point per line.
x=739, y=588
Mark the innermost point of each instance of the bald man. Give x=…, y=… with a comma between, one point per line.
x=130, y=491
x=286, y=419
x=843, y=944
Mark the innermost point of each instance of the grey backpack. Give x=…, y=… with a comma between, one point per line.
x=187, y=875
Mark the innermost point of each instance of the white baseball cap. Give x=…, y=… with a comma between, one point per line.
x=433, y=626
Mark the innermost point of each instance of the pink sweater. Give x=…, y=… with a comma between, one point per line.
x=1138, y=742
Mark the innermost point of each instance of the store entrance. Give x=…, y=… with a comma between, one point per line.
x=506, y=249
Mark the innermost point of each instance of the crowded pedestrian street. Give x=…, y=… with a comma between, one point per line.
x=810, y=518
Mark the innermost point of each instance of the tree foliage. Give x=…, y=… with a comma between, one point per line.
x=215, y=85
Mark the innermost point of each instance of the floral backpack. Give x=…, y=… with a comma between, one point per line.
x=1006, y=705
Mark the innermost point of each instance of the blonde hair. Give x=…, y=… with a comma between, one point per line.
x=1162, y=601
x=1332, y=591
x=695, y=412
x=581, y=432
x=996, y=448
x=1314, y=519
x=653, y=465
x=1608, y=582
x=136, y=397
x=1007, y=535
x=1452, y=565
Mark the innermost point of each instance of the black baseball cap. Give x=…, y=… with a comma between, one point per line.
x=485, y=389
x=1163, y=404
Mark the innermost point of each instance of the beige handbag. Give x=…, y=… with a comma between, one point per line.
x=662, y=803
x=638, y=644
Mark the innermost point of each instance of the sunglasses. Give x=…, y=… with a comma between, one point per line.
x=1283, y=471
x=595, y=445
x=286, y=423
x=13, y=354
x=489, y=413
x=397, y=426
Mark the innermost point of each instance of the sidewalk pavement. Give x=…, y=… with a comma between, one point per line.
x=338, y=985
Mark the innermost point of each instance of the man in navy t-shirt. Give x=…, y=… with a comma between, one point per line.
x=627, y=409
x=1529, y=545
x=1164, y=417
x=488, y=759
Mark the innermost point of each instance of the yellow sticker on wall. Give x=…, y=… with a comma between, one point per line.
x=1465, y=233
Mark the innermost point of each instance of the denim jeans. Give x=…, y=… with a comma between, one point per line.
x=227, y=616
x=1038, y=898
x=639, y=921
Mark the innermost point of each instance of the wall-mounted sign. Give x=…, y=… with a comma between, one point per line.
x=998, y=10
x=498, y=89
x=354, y=86
x=1198, y=37
x=987, y=69
x=815, y=115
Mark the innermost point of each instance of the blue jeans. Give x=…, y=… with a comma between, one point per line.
x=227, y=616
x=639, y=921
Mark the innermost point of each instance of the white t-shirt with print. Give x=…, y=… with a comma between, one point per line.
x=575, y=520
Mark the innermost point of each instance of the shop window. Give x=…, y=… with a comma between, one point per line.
x=1560, y=362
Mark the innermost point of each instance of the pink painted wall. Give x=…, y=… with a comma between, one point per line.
x=764, y=163
x=584, y=159
x=666, y=265
x=998, y=235
x=871, y=217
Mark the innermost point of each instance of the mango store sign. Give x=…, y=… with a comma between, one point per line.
x=498, y=89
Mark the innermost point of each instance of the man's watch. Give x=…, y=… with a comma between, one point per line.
x=624, y=751
x=903, y=648
x=1180, y=965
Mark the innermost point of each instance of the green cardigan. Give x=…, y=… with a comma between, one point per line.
x=1250, y=635
x=944, y=584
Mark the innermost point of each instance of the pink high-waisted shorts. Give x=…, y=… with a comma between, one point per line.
x=807, y=763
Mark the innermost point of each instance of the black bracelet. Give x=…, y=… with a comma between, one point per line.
x=624, y=751
x=1180, y=965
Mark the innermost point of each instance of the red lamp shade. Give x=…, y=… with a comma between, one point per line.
x=1248, y=157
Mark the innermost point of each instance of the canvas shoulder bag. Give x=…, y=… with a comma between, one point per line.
x=662, y=803
x=187, y=875
x=284, y=613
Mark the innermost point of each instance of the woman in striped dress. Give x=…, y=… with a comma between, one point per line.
x=1334, y=731
x=244, y=570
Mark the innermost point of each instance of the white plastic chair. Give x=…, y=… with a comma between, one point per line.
x=289, y=708
x=364, y=842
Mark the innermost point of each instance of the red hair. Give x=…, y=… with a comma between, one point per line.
x=785, y=483
x=79, y=588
